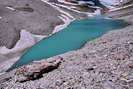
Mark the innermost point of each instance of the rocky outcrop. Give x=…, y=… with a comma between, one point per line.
x=35, y=70
x=32, y=71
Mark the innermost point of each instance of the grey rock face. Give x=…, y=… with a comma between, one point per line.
x=32, y=15
x=8, y=34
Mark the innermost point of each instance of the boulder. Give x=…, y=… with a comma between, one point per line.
x=36, y=69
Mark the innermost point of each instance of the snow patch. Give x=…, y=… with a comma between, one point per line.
x=66, y=17
x=110, y=2
x=66, y=20
x=10, y=8
x=115, y=9
x=63, y=1
x=26, y=40
x=7, y=64
x=57, y=8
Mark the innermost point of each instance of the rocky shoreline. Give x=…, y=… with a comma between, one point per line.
x=103, y=63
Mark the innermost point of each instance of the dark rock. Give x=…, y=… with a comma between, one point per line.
x=89, y=69
x=26, y=9
x=131, y=66
x=120, y=57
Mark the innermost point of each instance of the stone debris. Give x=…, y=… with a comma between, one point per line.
x=103, y=63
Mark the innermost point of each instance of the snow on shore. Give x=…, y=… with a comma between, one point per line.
x=66, y=20
x=27, y=40
x=7, y=64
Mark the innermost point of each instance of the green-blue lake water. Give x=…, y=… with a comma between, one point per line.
x=71, y=38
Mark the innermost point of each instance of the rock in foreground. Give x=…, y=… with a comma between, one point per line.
x=35, y=70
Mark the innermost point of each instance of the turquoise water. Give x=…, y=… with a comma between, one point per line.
x=71, y=38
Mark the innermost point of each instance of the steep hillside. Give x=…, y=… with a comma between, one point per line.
x=103, y=63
